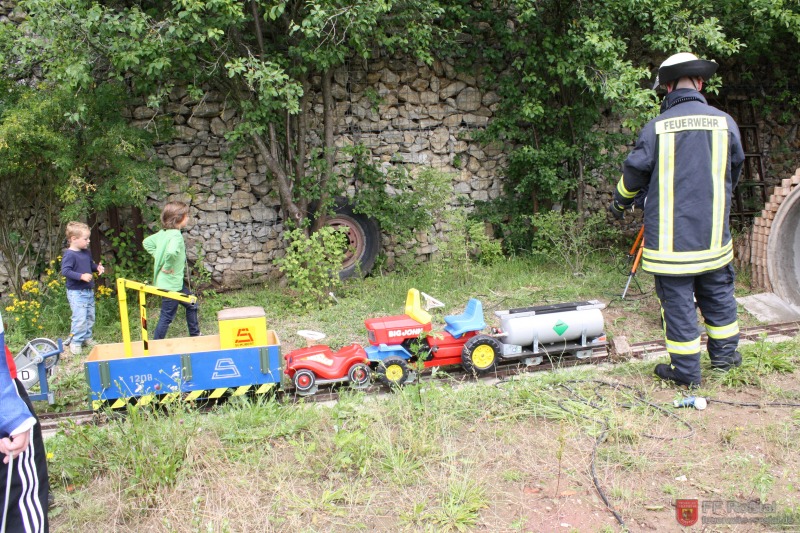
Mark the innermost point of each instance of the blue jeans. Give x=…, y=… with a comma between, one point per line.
x=82, y=304
x=168, y=309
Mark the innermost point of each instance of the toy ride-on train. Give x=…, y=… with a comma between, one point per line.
x=245, y=356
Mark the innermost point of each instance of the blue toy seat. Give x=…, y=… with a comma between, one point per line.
x=470, y=320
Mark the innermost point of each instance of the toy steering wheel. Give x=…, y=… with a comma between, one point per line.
x=311, y=336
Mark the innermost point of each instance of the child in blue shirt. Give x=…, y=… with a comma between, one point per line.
x=77, y=266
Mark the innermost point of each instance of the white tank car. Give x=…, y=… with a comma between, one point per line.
x=576, y=322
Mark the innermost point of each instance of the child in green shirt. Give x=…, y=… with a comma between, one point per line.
x=169, y=254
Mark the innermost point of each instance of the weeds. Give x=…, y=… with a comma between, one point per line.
x=759, y=361
x=459, y=505
x=145, y=452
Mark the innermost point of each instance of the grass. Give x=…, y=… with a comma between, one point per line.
x=440, y=455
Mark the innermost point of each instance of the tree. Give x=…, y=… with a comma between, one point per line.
x=267, y=57
x=565, y=70
x=62, y=156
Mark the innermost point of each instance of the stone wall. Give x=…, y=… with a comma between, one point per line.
x=407, y=113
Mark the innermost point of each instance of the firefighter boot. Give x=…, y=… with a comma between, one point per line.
x=683, y=370
x=726, y=363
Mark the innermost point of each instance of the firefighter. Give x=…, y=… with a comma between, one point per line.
x=688, y=160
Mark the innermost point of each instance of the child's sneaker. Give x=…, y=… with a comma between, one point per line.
x=75, y=348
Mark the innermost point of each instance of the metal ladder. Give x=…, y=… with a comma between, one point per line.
x=750, y=194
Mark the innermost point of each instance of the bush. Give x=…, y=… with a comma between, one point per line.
x=467, y=241
x=312, y=263
x=43, y=307
x=563, y=238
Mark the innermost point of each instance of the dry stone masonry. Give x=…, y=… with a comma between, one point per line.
x=406, y=113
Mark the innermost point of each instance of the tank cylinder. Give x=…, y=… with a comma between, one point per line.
x=522, y=328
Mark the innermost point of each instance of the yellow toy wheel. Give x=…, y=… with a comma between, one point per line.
x=393, y=371
x=480, y=354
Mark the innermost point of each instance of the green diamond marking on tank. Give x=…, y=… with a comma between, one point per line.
x=560, y=327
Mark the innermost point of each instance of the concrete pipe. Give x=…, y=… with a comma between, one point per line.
x=783, y=250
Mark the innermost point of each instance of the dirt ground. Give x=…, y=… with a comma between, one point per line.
x=739, y=462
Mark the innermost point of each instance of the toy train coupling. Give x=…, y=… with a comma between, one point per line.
x=35, y=363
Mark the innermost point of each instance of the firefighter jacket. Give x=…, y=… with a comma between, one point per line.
x=688, y=160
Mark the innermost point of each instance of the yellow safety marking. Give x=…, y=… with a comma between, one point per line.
x=700, y=255
x=194, y=395
x=683, y=348
x=719, y=162
x=625, y=193
x=121, y=402
x=171, y=397
x=666, y=176
x=241, y=390
x=696, y=268
x=723, y=332
x=97, y=404
x=146, y=399
x=266, y=387
x=218, y=393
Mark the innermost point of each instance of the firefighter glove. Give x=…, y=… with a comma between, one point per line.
x=617, y=210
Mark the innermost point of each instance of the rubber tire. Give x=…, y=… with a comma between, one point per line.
x=384, y=365
x=482, y=343
x=362, y=370
x=44, y=345
x=364, y=237
x=304, y=389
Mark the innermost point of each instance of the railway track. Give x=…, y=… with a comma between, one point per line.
x=601, y=354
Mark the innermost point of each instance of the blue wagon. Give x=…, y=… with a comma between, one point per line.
x=244, y=357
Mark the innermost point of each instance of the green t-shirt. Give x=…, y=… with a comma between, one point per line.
x=169, y=252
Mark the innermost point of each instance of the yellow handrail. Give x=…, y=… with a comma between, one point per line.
x=124, y=284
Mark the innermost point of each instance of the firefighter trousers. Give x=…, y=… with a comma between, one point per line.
x=713, y=292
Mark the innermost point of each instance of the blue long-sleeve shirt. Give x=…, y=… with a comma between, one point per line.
x=15, y=418
x=73, y=265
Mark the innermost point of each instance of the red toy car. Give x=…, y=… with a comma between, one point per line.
x=319, y=365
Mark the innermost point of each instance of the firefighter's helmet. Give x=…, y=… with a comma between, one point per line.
x=684, y=64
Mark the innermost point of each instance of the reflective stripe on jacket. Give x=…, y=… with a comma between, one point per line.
x=688, y=159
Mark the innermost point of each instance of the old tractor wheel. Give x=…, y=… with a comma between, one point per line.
x=363, y=236
x=392, y=371
x=480, y=353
